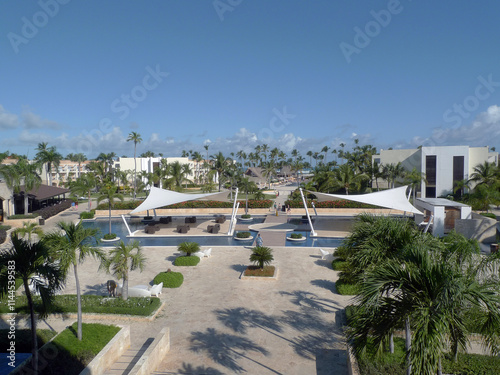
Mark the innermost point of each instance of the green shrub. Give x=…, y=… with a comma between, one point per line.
x=109, y=236
x=86, y=215
x=339, y=265
x=23, y=339
x=169, y=279
x=347, y=289
x=186, y=261
x=243, y=235
x=5, y=227
x=471, y=364
x=296, y=235
x=188, y=247
x=489, y=214
x=246, y=216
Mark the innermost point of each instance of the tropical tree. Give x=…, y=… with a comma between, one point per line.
x=28, y=229
x=124, y=258
x=414, y=179
x=392, y=172
x=248, y=187
x=220, y=164
x=136, y=138
x=84, y=186
x=485, y=174
x=347, y=179
x=48, y=156
x=109, y=193
x=188, y=247
x=261, y=255
x=72, y=245
x=31, y=263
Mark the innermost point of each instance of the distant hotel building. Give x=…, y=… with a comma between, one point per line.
x=442, y=165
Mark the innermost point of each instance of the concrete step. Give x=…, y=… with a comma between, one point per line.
x=128, y=359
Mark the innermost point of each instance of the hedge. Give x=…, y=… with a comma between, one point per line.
x=130, y=205
x=192, y=260
x=3, y=235
x=50, y=211
x=328, y=204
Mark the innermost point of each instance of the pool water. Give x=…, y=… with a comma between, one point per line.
x=313, y=241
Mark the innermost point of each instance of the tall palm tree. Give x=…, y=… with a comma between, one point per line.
x=485, y=174
x=50, y=157
x=219, y=164
x=124, y=258
x=109, y=193
x=414, y=179
x=347, y=179
x=392, y=172
x=325, y=150
x=71, y=245
x=24, y=261
x=136, y=138
x=19, y=174
x=84, y=186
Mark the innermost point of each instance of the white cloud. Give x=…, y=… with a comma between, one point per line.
x=483, y=131
x=8, y=120
x=33, y=121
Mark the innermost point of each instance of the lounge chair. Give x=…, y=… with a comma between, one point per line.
x=199, y=254
x=165, y=220
x=325, y=255
x=190, y=220
x=208, y=252
x=156, y=289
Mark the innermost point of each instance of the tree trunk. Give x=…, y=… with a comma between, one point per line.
x=391, y=343
x=26, y=203
x=110, y=219
x=408, y=345
x=79, y=303
x=34, y=359
x=440, y=370
x=125, y=288
x=88, y=203
x=135, y=172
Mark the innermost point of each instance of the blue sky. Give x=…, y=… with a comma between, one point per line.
x=81, y=75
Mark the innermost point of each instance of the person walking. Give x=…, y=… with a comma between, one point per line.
x=259, y=241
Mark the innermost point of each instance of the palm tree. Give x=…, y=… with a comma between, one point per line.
x=269, y=170
x=50, y=157
x=248, y=187
x=124, y=258
x=219, y=165
x=30, y=262
x=188, y=247
x=325, y=150
x=485, y=174
x=392, y=172
x=28, y=229
x=71, y=245
x=460, y=187
x=347, y=179
x=84, y=186
x=109, y=193
x=261, y=255
x=414, y=179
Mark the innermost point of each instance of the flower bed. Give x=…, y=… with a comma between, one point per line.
x=329, y=204
x=130, y=205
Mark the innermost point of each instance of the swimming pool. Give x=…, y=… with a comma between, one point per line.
x=313, y=241
x=118, y=227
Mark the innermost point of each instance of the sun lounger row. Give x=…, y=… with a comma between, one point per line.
x=183, y=228
x=151, y=228
x=213, y=228
x=220, y=219
x=166, y=220
x=190, y=220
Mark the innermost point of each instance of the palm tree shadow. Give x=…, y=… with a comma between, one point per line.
x=311, y=300
x=325, y=284
x=239, y=267
x=225, y=349
x=240, y=319
x=97, y=289
x=188, y=369
x=171, y=258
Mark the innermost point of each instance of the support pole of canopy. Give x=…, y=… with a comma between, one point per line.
x=313, y=233
x=154, y=212
x=232, y=224
x=233, y=212
x=125, y=221
x=315, y=212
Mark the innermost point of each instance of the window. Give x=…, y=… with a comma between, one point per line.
x=430, y=176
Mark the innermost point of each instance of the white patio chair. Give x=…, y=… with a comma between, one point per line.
x=199, y=254
x=208, y=252
x=325, y=255
x=156, y=289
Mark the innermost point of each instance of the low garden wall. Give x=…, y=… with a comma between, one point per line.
x=110, y=353
x=479, y=227
x=153, y=355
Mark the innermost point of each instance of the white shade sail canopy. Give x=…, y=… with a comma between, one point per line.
x=160, y=197
x=392, y=198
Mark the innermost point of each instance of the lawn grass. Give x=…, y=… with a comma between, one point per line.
x=268, y=271
x=339, y=265
x=74, y=355
x=346, y=289
x=142, y=306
